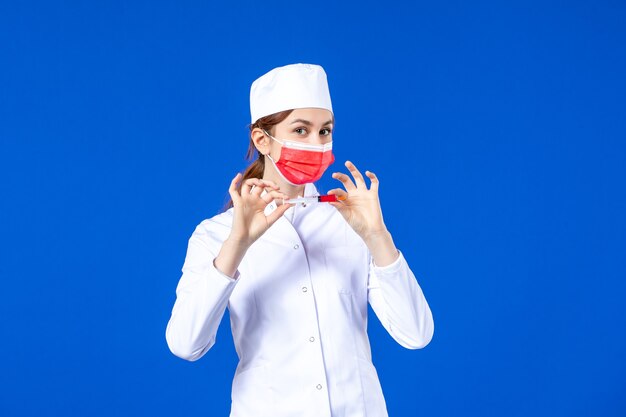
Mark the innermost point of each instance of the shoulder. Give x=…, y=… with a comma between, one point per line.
x=216, y=228
x=221, y=220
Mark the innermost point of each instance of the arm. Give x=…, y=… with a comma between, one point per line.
x=400, y=305
x=210, y=270
x=393, y=291
x=201, y=298
x=395, y=295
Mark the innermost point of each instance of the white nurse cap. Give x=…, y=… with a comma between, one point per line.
x=294, y=86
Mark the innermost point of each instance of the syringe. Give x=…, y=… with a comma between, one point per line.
x=330, y=198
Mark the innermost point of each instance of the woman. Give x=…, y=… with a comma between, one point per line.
x=297, y=278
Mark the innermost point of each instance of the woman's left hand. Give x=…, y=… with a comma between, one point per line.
x=359, y=205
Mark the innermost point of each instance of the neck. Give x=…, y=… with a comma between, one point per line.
x=293, y=191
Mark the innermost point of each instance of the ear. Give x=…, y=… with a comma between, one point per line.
x=261, y=141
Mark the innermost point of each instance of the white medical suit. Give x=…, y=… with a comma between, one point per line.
x=298, y=312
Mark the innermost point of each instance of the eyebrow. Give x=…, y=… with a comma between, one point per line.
x=308, y=123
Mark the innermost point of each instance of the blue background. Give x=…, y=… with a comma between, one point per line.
x=498, y=132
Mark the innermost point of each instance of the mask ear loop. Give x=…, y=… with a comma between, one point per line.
x=273, y=162
x=272, y=137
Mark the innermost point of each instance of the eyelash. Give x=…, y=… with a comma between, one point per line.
x=304, y=128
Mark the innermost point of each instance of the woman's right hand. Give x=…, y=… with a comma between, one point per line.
x=250, y=221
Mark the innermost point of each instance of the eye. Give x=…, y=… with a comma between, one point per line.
x=326, y=131
x=300, y=130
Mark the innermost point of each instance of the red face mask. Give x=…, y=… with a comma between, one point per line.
x=302, y=163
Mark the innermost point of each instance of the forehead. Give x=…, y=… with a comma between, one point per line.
x=315, y=116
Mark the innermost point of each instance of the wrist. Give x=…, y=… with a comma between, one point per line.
x=382, y=248
x=374, y=238
x=237, y=243
x=230, y=256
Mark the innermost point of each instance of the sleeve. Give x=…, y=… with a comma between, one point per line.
x=201, y=298
x=399, y=303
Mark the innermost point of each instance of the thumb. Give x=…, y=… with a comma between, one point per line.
x=340, y=193
x=278, y=213
x=340, y=205
x=342, y=208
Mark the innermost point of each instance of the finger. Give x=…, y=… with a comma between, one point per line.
x=358, y=177
x=234, y=181
x=257, y=190
x=245, y=187
x=232, y=190
x=374, y=180
x=342, y=208
x=274, y=196
x=345, y=180
x=278, y=213
x=270, y=183
x=340, y=193
x=249, y=184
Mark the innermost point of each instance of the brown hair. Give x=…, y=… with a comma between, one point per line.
x=256, y=168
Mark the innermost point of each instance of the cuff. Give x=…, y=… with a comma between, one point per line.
x=392, y=267
x=220, y=273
